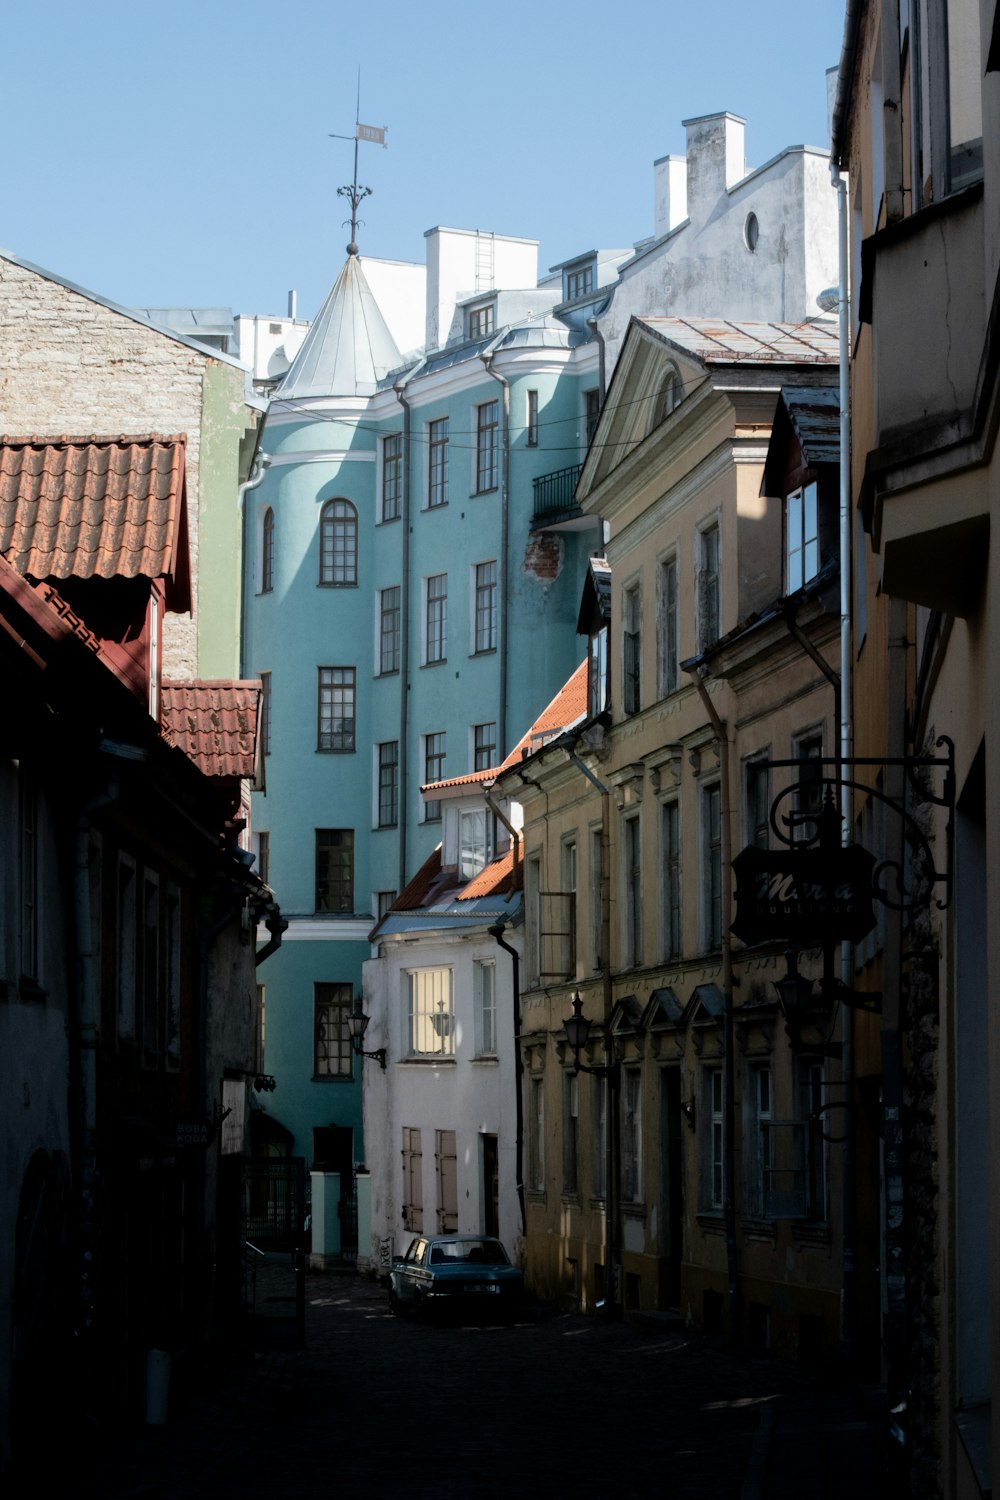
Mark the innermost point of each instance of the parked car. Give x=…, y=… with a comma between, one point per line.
x=455, y=1271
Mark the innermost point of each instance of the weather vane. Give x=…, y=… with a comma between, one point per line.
x=355, y=192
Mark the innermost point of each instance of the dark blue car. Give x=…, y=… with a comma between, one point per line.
x=458, y=1271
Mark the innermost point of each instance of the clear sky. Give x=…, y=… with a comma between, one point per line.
x=180, y=154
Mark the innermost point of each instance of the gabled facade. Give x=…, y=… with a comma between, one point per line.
x=685, y=1156
x=918, y=110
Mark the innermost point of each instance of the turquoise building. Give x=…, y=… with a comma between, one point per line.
x=413, y=565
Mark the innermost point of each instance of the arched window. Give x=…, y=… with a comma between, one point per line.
x=267, y=552
x=338, y=543
x=670, y=395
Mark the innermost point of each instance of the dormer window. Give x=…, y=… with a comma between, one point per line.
x=579, y=282
x=801, y=537
x=482, y=320
x=475, y=842
x=597, y=672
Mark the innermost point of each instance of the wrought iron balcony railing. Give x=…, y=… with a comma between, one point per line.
x=555, y=496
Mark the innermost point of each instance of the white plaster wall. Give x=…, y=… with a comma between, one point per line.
x=400, y=288
x=469, y=1096
x=267, y=345
x=454, y=259
x=704, y=269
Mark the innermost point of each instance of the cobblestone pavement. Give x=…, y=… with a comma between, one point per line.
x=376, y=1406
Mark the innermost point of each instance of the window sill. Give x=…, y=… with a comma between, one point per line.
x=328, y=583
x=634, y=1210
x=435, y=505
x=571, y=1197
x=389, y=672
x=321, y=750
x=486, y=651
x=478, y=494
x=711, y=1221
x=333, y=1078
x=435, y=1060
x=384, y=827
x=486, y=1059
x=440, y=661
x=761, y=1229
x=535, y=1195
x=388, y=520
x=812, y=1232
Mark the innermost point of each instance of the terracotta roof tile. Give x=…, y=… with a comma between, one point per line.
x=96, y=507
x=416, y=893
x=214, y=723
x=568, y=705
x=490, y=881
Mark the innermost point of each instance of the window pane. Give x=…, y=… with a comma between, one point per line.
x=335, y=870
x=338, y=534
x=430, y=1012
x=437, y=618
x=486, y=446
x=389, y=630
x=332, y=1057
x=438, y=477
x=388, y=784
x=392, y=452
x=486, y=606
x=336, y=708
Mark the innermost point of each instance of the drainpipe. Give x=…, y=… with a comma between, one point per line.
x=496, y=931
x=701, y=671
x=487, y=359
x=515, y=837
x=260, y=467
x=276, y=924
x=848, y=1306
x=601, y=356
x=404, y=622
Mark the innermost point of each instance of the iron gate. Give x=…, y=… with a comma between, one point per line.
x=273, y=1235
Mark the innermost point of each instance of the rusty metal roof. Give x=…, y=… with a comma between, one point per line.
x=814, y=412
x=214, y=723
x=104, y=507
x=721, y=341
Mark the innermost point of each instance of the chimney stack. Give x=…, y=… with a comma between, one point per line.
x=669, y=194
x=715, y=161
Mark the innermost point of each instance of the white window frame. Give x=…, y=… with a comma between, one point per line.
x=710, y=527
x=802, y=559
x=475, y=841
x=484, y=985
x=429, y=1012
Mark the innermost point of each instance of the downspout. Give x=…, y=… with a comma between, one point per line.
x=515, y=837
x=276, y=925
x=611, y=1259
x=487, y=360
x=700, y=671
x=601, y=356
x=260, y=467
x=848, y=1210
x=497, y=931
x=404, y=623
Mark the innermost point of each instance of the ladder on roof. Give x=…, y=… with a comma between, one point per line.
x=485, y=260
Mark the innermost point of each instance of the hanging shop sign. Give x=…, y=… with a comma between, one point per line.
x=803, y=896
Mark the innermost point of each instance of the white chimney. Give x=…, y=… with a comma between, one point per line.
x=715, y=161
x=669, y=194
x=291, y=304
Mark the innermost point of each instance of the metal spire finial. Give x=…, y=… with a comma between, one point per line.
x=355, y=192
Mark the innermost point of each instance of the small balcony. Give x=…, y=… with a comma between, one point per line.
x=555, y=504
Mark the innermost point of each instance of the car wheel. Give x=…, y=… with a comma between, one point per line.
x=399, y=1308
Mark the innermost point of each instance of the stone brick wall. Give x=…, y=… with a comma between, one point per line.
x=70, y=365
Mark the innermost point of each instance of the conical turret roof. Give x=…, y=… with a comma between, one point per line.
x=349, y=348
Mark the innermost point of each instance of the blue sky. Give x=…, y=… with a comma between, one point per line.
x=181, y=154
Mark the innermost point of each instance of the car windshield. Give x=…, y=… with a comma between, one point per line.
x=469, y=1252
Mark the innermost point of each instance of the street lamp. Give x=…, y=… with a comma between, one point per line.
x=357, y=1025
x=577, y=1029
x=795, y=996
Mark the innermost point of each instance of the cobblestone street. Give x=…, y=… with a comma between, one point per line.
x=374, y=1406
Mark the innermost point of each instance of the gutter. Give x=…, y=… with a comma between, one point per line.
x=497, y=931
x=487, y=359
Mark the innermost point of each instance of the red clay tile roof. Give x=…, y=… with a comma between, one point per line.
x=416, y=893
x=568, y=705
x=490, y=881
x=96, y=507
x=214, y=723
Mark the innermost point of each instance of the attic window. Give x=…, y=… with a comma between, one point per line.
x=751, y=233
x=669, y=396
x=482, y=320
x=579, y=281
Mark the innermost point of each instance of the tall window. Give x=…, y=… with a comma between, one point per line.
x=715, y=1184
x=475, y=842
x=671, y=878
x=384, y=902
x=437, y=441
x=597, y=672
x=388, y=784
x=600, y=1118
x=484, y=982
x=571, y=1133
x=596, y=896
x=708, y=587
x=532, y=915
x=809, y=754
x=632, y=1135
x=631, y=650
x=125, y=955
x=760, y=1163
x=668, y=627
x=28, y=870
x=801, y=537
x=336, y=708
x=668, y=397
x=486, y=606
x=592, y=412
x=388, y=630
x=484, y=746
x=536, y=1136
x=338, y=544
x=711, y=835
x=392, y=474
x=437, y=618
x=430, y=1012
x=267, y=551
x=532, y=422
x=633, y=892
x=434, y=749
x=335, y=870
x=758, y=802
x=568, y=860
x=811, y=1084
x=413, y=1189
x=332, y=1056
x=579, y=283
x=263, y=840
x=265, y=713
x=151, y=1012
x=487, y=424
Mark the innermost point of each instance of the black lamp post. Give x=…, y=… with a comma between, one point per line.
x=577, y=1029
x=357, y=1025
